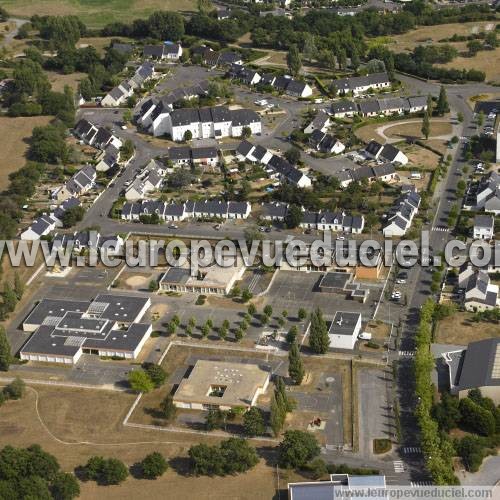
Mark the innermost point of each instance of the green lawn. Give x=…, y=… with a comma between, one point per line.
x=95, y=13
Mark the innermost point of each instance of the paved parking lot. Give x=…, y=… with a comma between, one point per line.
x=328, y=400
x=375, y=414
x=292, y=290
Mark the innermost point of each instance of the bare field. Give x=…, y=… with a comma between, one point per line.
x=95, y=13
x=421, y=157
x=433, y=34
x=14, y=133
x=73, y=435
x=459, y=329
x=59, y=81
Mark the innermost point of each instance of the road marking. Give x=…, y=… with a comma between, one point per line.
x=418, y=484
x=409, y=450
x=407, y=354
x=399, y=466
x=441, y=228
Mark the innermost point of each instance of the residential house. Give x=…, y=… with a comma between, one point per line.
x=109, y=157
x=484, y=227
x=206, y=156
x=386, y=152
x=400, y=216
x=180, y=156
x=359, y=84
x=274, y=211
x=344, y=108
x=80, y=183
x=487, y=196
x=41, y=226
x=321, y=122
x=479, y=293
x=326, y=143
x=329, y=221
x=169, y=51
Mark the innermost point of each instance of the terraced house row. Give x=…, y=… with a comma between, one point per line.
x=207, y=209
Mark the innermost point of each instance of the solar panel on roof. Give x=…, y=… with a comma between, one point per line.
x=51, y=321
x=74, y=341
x=97, y=307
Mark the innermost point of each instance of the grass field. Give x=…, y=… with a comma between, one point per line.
x=59, y=81
x=14, y=133
x=433, y=34
x=400, y=130
x=96, y=13
x=483, y=61
x=459, y=329
x=73, y=435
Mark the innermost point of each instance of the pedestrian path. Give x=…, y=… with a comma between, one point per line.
x=411, y=450
x=399, y=466
x=407, y=354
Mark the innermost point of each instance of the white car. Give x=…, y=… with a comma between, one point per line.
x=365, y=336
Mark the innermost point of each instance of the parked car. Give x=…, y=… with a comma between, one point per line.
x=365, y=336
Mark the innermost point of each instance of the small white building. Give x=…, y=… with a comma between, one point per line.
x=344, y=330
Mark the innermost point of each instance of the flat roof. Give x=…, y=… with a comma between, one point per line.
x=240, y=383
x=344, y=323
x=335, y=280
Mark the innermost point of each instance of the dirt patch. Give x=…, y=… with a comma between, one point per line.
x=460, y=329
x=137, y=281
x=421, y=157
x=15, y=133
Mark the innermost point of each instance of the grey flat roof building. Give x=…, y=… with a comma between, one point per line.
x=344, y=323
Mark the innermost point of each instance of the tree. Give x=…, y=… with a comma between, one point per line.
x=127, y=115
x=442, y=106
x=166, y=25
x=64, y=486
x=293, y=155
x=72, y=216
x=215, y=419
x=480, y=118
x=18, y=286
x=318, y=333
x=295, y=365
x=293, y=60
x=15, y=390
x=310, y=50
x=127, y=149
x=139, y=381
x=48, y=144
x=9, y=297
x=238, y=334
x=246, y=132
x=426, y=125
x=293, y=217
x=476, y=418
x=5, y=356
x=297, y=449
x=253, y=422
x=188, y=135
x=153, y=465
x=246, y=295
x=238, y=455
x=167, y=408
x=277, y=416
x=105, y=471
x=206, y=460
x=471, y=452
x=292, y=333
x=251, y=309
x=156, y=373
x=302, y=314
x=223, y=332
x=460, y=116
x=268, y=310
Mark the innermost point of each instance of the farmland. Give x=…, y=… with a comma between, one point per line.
x=95, y=13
